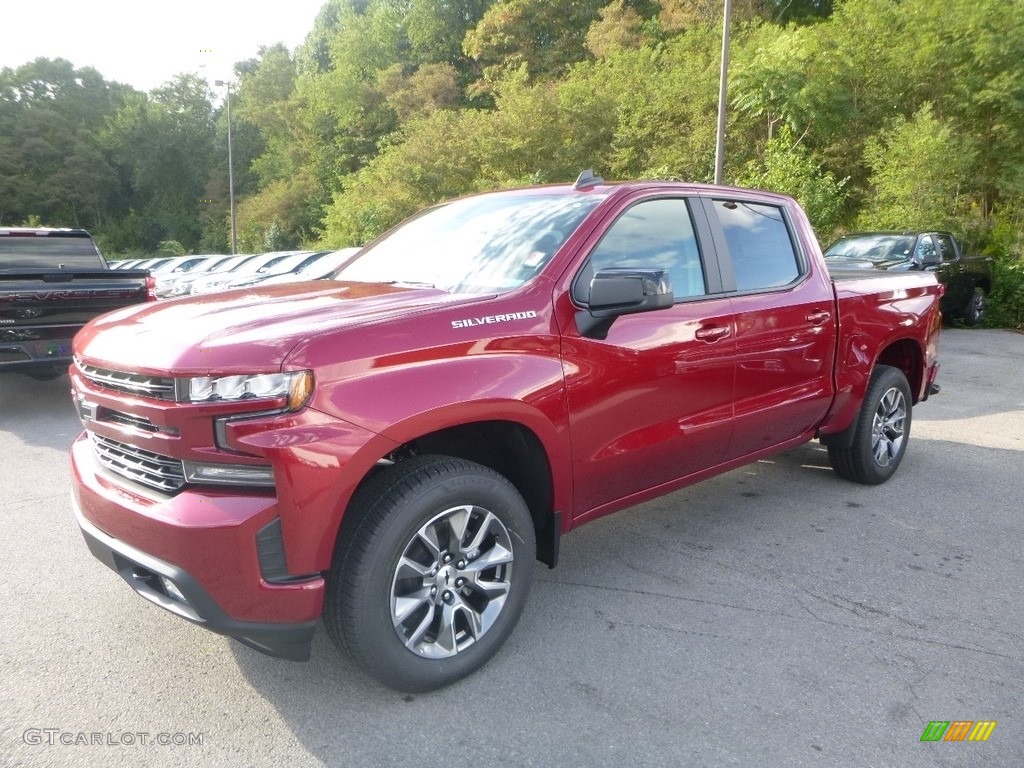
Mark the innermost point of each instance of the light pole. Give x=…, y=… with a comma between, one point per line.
x=723, y=78
x=231, y=170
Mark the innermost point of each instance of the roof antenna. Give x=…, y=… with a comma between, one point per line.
x=587, y=179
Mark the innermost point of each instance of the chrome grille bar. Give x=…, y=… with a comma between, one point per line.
x=144, y=467
x=158, y=387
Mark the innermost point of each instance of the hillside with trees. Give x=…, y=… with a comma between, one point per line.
x=873, y=113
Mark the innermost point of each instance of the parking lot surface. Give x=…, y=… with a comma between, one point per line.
x=773, y=616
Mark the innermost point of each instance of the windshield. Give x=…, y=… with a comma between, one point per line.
x=872, y=248
x=483, y=244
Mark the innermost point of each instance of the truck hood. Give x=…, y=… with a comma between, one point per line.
x=247, y=330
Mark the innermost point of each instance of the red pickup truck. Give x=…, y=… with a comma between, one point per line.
x=392, y=449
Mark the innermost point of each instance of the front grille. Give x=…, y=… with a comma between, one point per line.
x=158, y=387
x=130, y=420
x=144, y=467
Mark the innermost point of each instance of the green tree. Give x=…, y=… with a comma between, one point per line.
x=544, y=37
x=918, y=172
x=51, y=161
x=436, y=29
x=787, y=166
x=163, y=147
x=620, y=26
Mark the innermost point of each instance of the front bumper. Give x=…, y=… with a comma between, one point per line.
x=206, y=546
x=23, y=356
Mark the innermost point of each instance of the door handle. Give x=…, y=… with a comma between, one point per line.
x=818, y=317
x=712, y=333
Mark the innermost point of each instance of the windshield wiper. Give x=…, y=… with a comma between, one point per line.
x=410, y=283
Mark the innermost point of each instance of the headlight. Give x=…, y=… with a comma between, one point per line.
x=296, y=386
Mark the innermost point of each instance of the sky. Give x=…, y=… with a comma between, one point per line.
x=145, y=43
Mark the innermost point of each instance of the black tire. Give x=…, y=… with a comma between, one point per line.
x=46, y=372
x=974, y=312
x=383, y=565
x=882, y=433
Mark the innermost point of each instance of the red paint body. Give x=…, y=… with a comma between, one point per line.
x=668, y=398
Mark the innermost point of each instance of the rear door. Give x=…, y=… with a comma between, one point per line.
x=785, y=324
x=651, y=402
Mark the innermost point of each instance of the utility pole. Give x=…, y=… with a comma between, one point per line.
x=723, y=79
x=231, y=170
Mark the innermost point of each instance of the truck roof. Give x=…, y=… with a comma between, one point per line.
x=42, y=232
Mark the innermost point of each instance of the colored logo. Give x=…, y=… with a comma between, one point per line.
x=958, y=730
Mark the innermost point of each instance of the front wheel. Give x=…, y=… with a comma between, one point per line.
x=882, y=430
x=431, y=572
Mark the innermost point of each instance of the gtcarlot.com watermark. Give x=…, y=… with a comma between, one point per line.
x=52, y=737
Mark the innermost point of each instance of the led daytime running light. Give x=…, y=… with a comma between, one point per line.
x=295, y=386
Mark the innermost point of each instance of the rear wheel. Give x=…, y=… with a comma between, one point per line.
x=882, y=431
x=975, y=309
x=431, y=573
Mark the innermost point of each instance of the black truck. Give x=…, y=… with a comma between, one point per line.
x=52, y=282
x=968, y=279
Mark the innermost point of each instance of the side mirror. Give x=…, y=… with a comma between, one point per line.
x=925, y=261
x=616, y=291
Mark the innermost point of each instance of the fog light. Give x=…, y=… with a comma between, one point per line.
x=229, y=474
x=172, y=590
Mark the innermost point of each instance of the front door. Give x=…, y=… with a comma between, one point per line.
x=651, y=402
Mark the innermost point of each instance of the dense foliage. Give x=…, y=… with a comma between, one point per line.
x=873, y=113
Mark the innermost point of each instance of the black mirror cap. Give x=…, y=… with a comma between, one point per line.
x=616, y=291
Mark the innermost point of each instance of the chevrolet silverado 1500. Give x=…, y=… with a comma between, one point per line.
x=52, y=282
x=392, y=449
x=967, y=279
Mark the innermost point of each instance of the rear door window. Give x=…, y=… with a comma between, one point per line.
x=759, y=242
x=946, y=249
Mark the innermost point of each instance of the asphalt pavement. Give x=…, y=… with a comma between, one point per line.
x=773, y=616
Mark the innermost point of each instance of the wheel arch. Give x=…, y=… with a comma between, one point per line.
x=509, y=447
x=904, y=354
x=907, y=355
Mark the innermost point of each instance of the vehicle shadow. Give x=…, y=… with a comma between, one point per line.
x=731, y=593
x=39, y=413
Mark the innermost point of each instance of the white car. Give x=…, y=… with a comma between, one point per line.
x=317, y=269
x=282, y=266
x=179, y=285
x=248, y=266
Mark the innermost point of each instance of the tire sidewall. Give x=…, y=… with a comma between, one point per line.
x=887, y=378
x=975, y=307
x=389, y=659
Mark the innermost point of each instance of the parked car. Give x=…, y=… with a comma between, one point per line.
x=177, y=265
x=968, y=279
x=217, y=281
x=317, y=267
x=392, y=448
x=286, y=265
x=166, y=284
x=183, y=285
x=153, y=263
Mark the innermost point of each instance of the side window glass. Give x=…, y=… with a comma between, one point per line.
x=946, y=250
x=759, y=243
x=655, y=233
x=926, y=252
